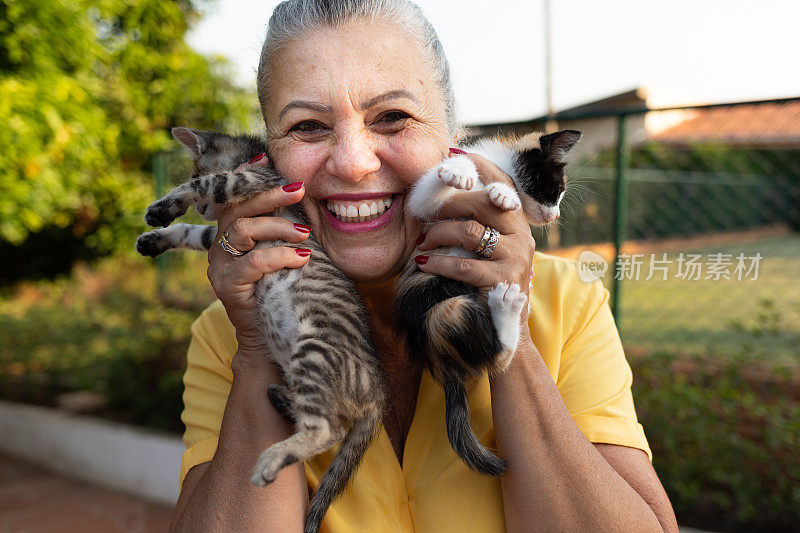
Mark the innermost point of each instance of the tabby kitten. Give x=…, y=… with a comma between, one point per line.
x=314, y=321
x=446, y=324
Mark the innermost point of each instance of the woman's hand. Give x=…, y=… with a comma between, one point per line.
x=234, y=278
x=513, y=255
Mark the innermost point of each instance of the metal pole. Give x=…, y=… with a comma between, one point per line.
x=551, y=125
x=620, y=213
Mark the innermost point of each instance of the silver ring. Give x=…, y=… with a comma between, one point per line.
x=486, y=247
x=487, y=232
x=225, y=245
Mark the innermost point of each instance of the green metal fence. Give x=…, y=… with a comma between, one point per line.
x=696, y=213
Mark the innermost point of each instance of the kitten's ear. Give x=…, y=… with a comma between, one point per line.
x=196, y=142
x=555, y=146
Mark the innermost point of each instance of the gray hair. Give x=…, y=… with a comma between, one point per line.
x=295, y=18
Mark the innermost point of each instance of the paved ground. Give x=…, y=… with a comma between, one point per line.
x=33, y=500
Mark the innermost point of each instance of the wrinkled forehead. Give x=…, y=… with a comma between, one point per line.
x=344, y=66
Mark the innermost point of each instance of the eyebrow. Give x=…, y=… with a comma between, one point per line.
x=305, y=104
x=375, y=100
x=389, y=95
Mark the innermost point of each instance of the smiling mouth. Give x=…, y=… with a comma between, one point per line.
x=354, y=211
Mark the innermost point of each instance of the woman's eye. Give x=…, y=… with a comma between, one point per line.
x=308, y=126
x=393, y=116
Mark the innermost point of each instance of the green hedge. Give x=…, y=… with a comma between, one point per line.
x=725, y=437
x=103, y=329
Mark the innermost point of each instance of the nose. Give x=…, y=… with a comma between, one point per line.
x=353, y=156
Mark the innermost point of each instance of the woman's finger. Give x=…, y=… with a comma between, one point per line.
x=251, y=267
x=261, y=160
x=477, y=205
x=243, y=233
x=464, y=233
x=475, y=272
x=261, y=204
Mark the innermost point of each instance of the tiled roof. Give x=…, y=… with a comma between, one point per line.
x=750, y=123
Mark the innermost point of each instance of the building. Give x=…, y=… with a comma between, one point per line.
x=771, y=124
x=595, y=119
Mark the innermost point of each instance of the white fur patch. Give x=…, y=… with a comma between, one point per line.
x=275, y=304
x=505, y=304
x=459, y=172
x=496, y=152
x=503, y=196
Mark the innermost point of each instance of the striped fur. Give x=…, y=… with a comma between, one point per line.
x=457, y=331
x=314, y=321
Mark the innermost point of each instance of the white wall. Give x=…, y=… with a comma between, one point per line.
x=140, y=462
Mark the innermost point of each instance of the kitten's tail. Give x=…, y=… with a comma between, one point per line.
x=344, y=463
x=462, y=438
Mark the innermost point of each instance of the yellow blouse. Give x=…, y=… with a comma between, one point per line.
x=572, y=327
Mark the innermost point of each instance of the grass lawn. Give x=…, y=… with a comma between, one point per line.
x=752, y=318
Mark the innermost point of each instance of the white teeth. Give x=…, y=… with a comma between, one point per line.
x=359, y=213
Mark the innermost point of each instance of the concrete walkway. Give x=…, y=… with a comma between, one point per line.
x=34, y=500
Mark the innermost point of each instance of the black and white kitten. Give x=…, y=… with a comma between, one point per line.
x=455, y=330
x=314, y=320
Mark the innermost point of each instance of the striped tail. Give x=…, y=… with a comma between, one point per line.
x=459, y=432
x=341, y=469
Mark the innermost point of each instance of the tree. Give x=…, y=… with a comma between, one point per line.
x=88, y=92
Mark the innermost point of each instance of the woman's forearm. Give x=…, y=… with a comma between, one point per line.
x=556, y=479
x=223, y=498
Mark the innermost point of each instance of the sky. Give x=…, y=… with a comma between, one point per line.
x=681, y=51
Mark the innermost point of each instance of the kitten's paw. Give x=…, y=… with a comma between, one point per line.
x=267, y=468
x=505, y=304
x=164, y=211
x=458, y=172
x=152, y=244
x=503, y=196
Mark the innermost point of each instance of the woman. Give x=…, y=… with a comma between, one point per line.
x=357, y=101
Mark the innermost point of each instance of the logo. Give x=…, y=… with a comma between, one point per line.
x=591, y=266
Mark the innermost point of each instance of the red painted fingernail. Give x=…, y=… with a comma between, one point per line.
x=292, y=187
x=421, y=259
x=302, y=227
x=257, y=158
x=421, y=239
x=457, y=151
x=558, y=215
x=303, y=252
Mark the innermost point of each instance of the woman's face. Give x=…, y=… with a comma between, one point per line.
x=354, y=113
